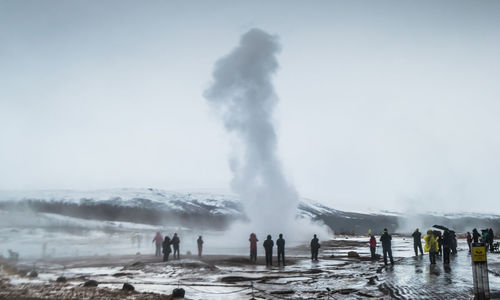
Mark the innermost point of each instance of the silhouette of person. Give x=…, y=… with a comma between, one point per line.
x=315, y=248
x=417, y=242
x=453, y=239
x=281, y=249
x=439, y=236
x=475, y=235
x=268, y=246
x=446, y=246
x=491, y=238
x=469, y=240
x=385, y=239
x=199, y=241
x=175, y=242
x=166, y=248
x=253, y=247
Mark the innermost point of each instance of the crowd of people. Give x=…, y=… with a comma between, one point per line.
x=437, y=243
x=487, y=237
x=163, y=245
x=280, y=244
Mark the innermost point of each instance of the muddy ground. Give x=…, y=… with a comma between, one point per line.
x=335, y=276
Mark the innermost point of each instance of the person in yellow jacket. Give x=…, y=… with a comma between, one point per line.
x=431, y=245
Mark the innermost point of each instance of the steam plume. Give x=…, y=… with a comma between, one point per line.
x=243, y=94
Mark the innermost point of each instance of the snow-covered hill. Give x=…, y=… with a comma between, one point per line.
x=146, y=206
x=213, y=210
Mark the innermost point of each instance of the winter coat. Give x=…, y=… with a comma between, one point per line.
x=253, y=241
x=373, y=242
x=166, y=246
x=315, y=244
x=200, y=242
x=475, y=236
x=469, y=238
x=431, y=242
x=280, y=243
x=484, y=237
x=447, y=242
x=268, y=245
x=176, y=241
x=158, y=239
x=386, y=240
x=416, y=237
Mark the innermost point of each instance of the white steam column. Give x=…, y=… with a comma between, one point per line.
x=243, y=96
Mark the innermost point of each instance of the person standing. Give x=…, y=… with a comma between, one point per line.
x=373, y=246
x=453, y=237
x=199, y=241
x=386, y=246
x=315, y=248
x=469, y=240
x=484, y=237
x=280, y=242
x=440, y=242
x=253, y=247
x=417, y=242
x=431, y=246
x=175, y=242
x=158, y=239
x=166, y=248
x=447, y=242
x=268, y=246
x=491, y=238
x=475, y=235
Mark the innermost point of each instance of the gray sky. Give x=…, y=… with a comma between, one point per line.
x=383, y=104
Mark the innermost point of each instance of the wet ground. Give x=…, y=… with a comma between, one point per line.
x=334, y=276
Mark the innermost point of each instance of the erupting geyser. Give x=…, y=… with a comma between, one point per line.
x=242, y=93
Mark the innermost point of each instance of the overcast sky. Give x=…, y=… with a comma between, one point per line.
x=383, y=104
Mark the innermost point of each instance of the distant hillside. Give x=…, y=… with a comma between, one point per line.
x=216, y=211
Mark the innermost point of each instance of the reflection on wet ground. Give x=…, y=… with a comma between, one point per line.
x=415, y=278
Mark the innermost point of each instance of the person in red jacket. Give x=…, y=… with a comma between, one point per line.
x=253, y=247
x=158, y=239
x=373, y=245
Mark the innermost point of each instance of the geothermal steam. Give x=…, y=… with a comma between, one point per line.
x=242, y=93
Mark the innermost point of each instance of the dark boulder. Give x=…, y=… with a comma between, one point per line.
x=61, y=279
x=178, y=293
x=352, y=254
x=128, y=287
x=91, y=283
